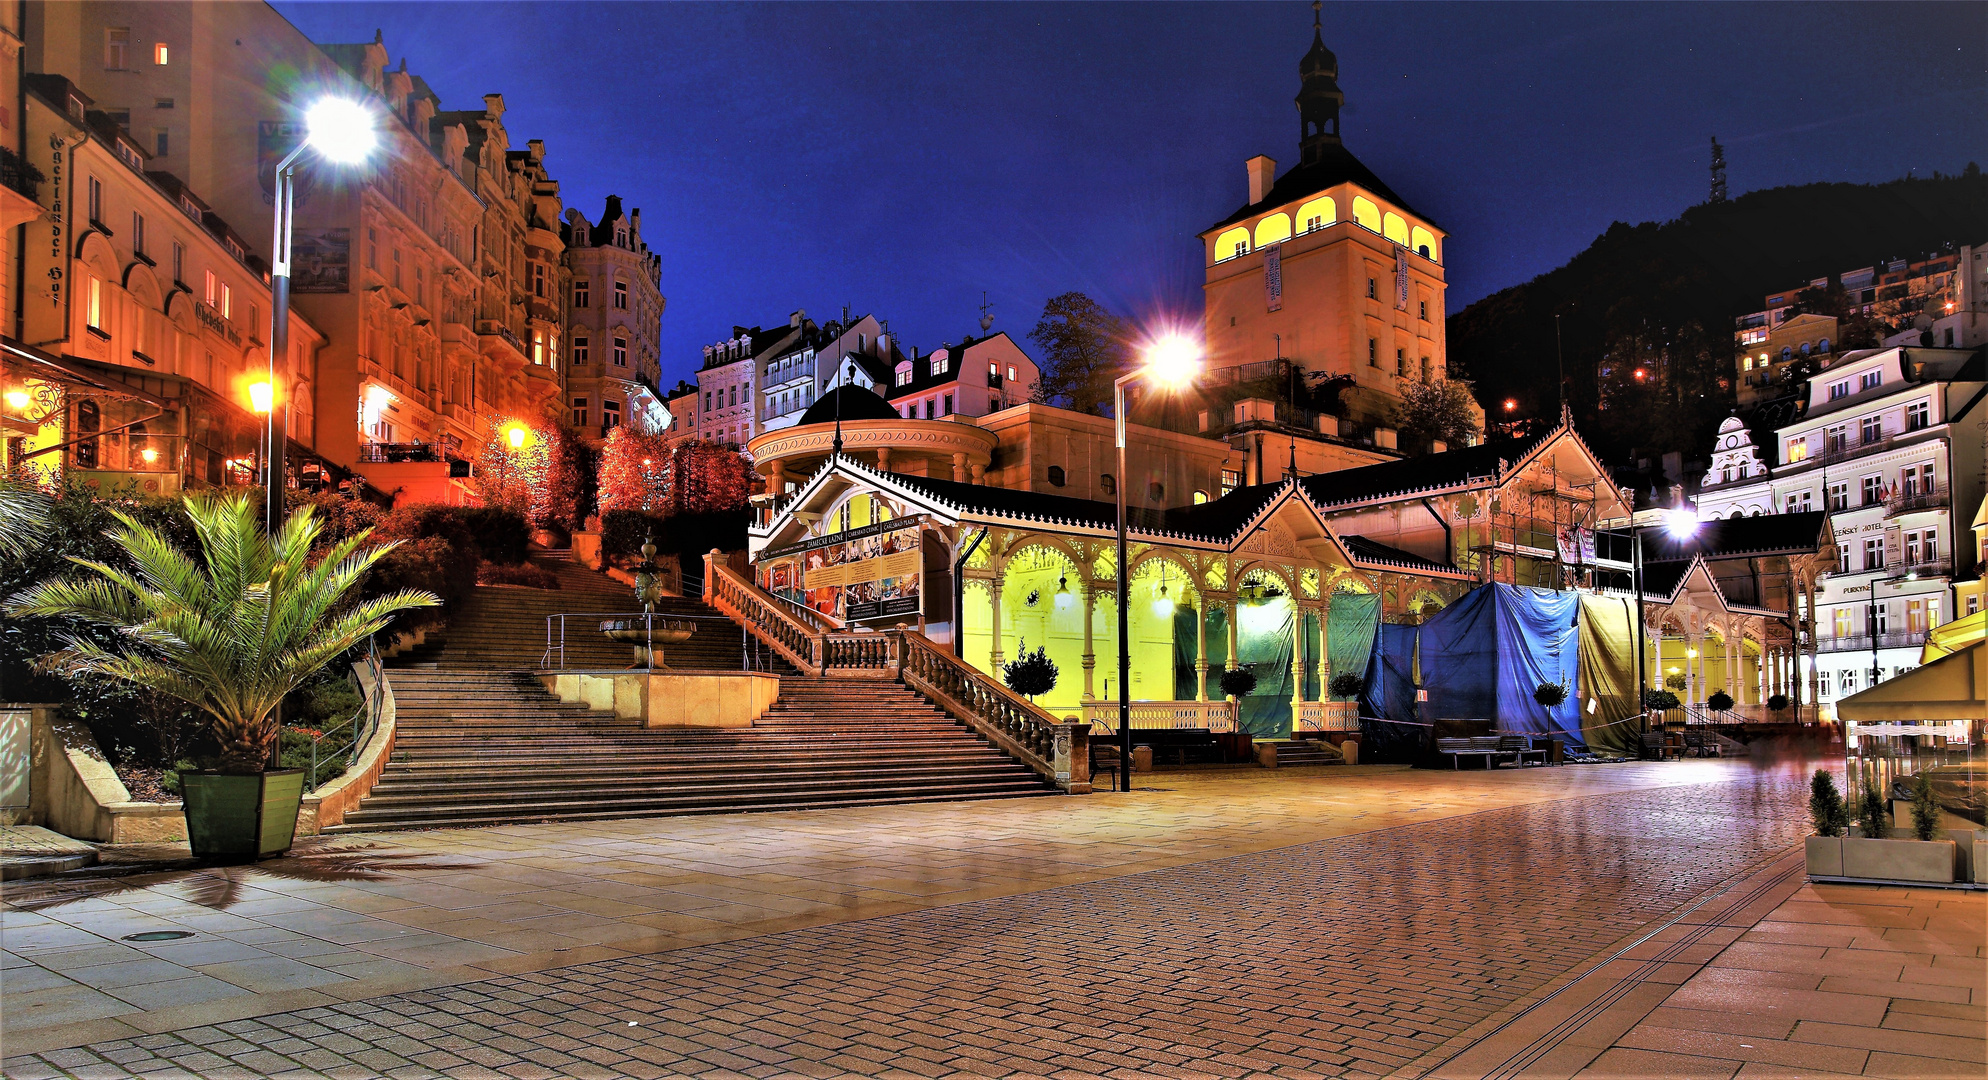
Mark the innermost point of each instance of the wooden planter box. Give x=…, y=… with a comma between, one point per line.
x=1930, y=861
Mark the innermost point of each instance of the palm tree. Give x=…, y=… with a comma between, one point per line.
x=229, y=630
x=23, y=517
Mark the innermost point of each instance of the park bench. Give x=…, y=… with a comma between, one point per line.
x=1520, y=745
x=1485, y=746
x=1656, y=745
x=1176, y=745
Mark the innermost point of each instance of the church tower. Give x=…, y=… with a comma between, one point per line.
x=1319, y=97
x=1327, y=271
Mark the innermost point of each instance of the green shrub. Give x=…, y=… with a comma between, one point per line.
x=1551, y=695
x=1777, y=702
x=1030, y=673
x=1871, y=808
x=296, y=754
x=491, y=533
x=1346, y=686
x=1660, y=700
x=1720, y=701
x=1238, y=682
x=1925, y=808
x=430, y=563
x=687, y=536
x=1826, y=809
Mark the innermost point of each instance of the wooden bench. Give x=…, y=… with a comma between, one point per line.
x=1175, y=744
x=1520, y=745
x=1655, y=745
x=1485, y=746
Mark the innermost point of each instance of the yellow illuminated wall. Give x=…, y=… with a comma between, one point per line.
x=1273, y=230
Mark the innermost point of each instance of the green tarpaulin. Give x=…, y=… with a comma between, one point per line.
x=1608, y=674
x=1350, y=624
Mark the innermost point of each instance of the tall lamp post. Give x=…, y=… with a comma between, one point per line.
x=1171, y=363
x=341, y=132
x=1681, y=524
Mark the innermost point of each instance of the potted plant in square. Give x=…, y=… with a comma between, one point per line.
x=1873, y=854
x=1824, y=850
x=230, y=629
x=1030, y=673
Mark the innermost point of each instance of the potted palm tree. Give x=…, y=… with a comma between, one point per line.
x=229, y=629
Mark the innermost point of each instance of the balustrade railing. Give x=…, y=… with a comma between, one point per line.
x=1329, y=716
x=1102, y=716
x=729, y=592
x=1056, y=751
x=1059, y=752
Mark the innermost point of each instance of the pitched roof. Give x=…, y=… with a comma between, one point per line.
x=1767, y=534
x=1430, y=472
x=850, y=402
x=1373, y=551
x=1336, y=165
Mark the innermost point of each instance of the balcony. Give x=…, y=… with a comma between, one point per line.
x=398, y=453
x=1895, y=639
x=1937, y=566
x=19, y=175
x=994, y=380
x=1906, y=502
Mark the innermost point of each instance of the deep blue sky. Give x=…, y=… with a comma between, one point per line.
x=901, y=159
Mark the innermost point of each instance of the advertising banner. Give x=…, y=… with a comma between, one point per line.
x=321, y=260
x=1273, y=277
x=867, y=573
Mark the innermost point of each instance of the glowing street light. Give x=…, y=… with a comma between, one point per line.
x=262, y=397
x=516, y=434
x=341, y=132
x=1171, y=361
x=1511, y=404
x=1680, y=523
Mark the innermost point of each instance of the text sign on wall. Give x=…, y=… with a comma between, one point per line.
x=1400, y=278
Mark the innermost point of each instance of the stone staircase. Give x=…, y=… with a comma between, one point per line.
x=490, y=748
x=1296, y=753
x=503, y=627
x=480, y=741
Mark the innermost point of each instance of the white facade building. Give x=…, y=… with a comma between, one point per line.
x=1891, y=442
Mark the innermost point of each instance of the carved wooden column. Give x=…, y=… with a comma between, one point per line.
x=1201, y=649
x=994, y=627
x=1090, y=661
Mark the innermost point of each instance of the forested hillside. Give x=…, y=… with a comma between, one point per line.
x=1662, y=297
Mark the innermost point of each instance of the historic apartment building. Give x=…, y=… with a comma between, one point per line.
x=760, y=380
x=145, y=326
x=433, y=274
x=614, y=308
x=1891, y=447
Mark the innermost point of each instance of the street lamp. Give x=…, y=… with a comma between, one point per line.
x=1172, y=363
x=342, y=133
x=1681, y=524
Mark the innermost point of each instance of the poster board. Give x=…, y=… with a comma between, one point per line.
x=872, y=572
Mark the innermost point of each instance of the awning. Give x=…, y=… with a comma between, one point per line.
x=71, y=369
x=1954, y=636
x=1954, y=687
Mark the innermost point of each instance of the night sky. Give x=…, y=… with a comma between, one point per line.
x=902, y=159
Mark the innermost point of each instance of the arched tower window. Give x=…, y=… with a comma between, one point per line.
x=1274, y=229
x=1232, y=244
x=1395, y=229
x=1316, y=215
x=1366, y=214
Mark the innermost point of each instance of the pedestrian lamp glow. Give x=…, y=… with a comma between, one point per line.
x=516, y=434
x=340, y=130
x=1680, y=523
x=1173, y=361
x=17, y=399
x=262, y=397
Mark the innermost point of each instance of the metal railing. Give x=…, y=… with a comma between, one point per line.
x=1894, y=639
x=1907, y=501
x=362, y=723
x=399, y=452
x=1008, y=720
x=752, y=657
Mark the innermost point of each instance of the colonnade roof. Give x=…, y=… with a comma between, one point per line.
x=1767, y=534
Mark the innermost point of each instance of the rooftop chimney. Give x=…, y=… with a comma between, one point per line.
x=1262, y=172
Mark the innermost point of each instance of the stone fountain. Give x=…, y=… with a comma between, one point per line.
x=647, y=634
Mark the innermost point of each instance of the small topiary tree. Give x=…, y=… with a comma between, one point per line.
x=1871, y=807
x=1238, y=682
x=1551, y=695
x=1659, y=700
x=1925, y=808
x=1030, y=673
x=1720, y=701
x=1777, y=702
x=1346, y=686
x=1826, y=807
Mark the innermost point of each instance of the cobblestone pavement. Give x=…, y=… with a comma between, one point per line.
x=1349, y=956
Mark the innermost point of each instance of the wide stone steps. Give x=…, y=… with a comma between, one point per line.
x=480, y=747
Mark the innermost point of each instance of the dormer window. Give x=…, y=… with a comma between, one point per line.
x=903, y=375
x=1871, y=380
x=941, y=364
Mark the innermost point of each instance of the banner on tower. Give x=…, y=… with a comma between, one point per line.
x=1273, y=276
x=1400, y=278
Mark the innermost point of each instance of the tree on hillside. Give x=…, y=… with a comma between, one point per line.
x=646, y=473
x=1667, y=293
x=1083, y=350
x=1436, y=409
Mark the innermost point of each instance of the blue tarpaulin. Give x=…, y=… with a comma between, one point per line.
x=1538, y=645
x=1484, y=655
x=1389, y=727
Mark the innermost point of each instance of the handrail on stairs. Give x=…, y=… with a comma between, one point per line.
x=1058, y=751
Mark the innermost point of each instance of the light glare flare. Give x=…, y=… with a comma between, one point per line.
x=1680, y=523
x=262, y=396
x=1173, y=360
x=340, y=130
